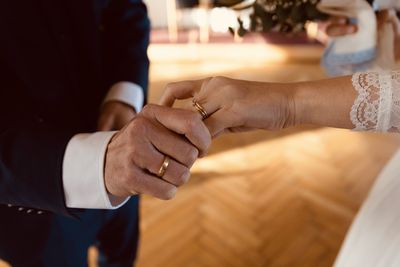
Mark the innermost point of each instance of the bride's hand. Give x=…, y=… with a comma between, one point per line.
x=235, y=105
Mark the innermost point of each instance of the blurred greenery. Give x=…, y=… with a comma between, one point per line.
x=287, y=16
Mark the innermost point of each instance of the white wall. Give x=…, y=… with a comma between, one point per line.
x=157, y=12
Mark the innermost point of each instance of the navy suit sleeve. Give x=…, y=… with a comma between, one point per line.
x=31, y=156
x=126, y=39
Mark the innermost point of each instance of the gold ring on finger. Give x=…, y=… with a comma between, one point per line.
x=164, y=167
x=200, y=109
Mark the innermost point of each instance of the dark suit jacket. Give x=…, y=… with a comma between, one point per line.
x=57, y=60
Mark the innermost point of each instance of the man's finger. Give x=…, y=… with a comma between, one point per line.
x=176, y=173
x=183, y=122
x=145, y=183
x=179, y=90
x=173, y=145
x=335, y=30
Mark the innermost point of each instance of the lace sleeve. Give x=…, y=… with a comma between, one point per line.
x=377, y=106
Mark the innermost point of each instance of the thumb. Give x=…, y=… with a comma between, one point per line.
x=184, y=122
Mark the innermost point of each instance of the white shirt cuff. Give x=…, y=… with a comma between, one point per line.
x=83, y=173
x=128, y=93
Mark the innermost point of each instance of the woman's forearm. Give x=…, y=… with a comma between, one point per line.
x=325, y=102
x=367, y=101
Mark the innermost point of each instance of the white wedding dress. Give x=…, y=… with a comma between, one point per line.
x=374, y=237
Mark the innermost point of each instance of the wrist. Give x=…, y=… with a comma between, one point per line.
x=274, y=105
x=119, y=104
x=325, y=102
x=303, y=97
x=127, y=93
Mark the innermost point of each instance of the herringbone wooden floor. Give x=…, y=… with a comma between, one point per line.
x=278, y=199
x=279, y=203
x=262, y=199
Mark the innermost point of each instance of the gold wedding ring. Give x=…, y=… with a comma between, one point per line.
x=163, y=167
x=200, y=109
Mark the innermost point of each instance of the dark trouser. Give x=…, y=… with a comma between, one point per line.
x=56, y=241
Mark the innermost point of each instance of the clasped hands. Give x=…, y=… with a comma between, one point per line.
x=170, y=140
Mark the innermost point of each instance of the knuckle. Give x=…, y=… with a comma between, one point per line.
x=169, y=193
x=134, y=180
x=193, y=118
x=147, y=162
x=208, y=141
x=134, y=157
x=191, y=156
x=169, y=88
x=206, y=81
x=181, y=177
x=146, y=108
x=218, y=79
x=139, y=125
x=153, y=166
x=129, y=180
x=184, y=177
x=191, y=122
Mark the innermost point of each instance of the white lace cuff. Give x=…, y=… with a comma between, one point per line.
x=377, y=106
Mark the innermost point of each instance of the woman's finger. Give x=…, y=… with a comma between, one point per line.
x=179, y=90
x=221, y=121
x=335, y=30
x=342, y=20
x=210, y=107
x=388, y=16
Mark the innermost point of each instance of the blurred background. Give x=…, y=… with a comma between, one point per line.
x=260, y=199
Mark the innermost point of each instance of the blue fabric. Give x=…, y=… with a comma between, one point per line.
x=65, y=241
x=339, y=64
x=57, y=61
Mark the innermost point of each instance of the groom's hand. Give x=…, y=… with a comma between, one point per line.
x=136, y=153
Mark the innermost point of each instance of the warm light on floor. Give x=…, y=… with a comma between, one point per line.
x=253, y=156
x=261, y=52
x=265, y=199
